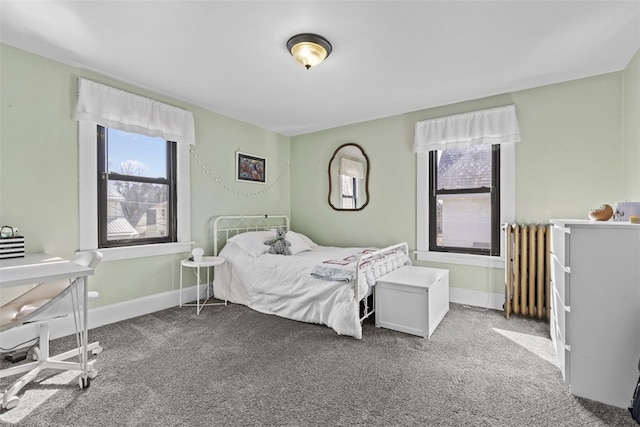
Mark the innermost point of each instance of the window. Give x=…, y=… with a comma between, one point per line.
x=349, y=191
x=136, y=189
x=131, y=127
x=476, y=250
x=351, y=170
x=464, y=200
x=465, y=186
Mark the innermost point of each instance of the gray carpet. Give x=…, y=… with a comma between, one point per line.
x=233, y=366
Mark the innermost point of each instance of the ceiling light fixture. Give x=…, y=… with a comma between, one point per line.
x=309, y=49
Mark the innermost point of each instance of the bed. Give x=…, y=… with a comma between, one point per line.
x=316, y=284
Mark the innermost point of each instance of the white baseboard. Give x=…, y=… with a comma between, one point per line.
x=101, y=316
x=113, y=313
x=477, y=298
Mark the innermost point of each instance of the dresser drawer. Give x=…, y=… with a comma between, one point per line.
x=559, y=246
x=559, y=312
x=562, y=353
x=561, y=278
x=558, y=334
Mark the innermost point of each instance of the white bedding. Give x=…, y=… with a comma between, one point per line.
x=283, y=285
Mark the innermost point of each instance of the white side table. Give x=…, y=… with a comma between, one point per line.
x=206, y=262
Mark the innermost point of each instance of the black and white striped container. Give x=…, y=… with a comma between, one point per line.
x=12, y=247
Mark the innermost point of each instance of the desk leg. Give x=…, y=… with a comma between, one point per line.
x=84, y=358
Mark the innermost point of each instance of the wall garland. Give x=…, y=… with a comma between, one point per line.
x=227, y=187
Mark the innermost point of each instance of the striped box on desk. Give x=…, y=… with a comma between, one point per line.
x=12, y=247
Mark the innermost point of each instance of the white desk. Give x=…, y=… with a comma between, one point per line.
x=36, y=268
x=206, y=262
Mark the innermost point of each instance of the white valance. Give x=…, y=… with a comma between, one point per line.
x=117, y=109
x=493, y=126
x=352, y=168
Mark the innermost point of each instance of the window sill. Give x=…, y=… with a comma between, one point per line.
x=131, y=252
x=463, y=259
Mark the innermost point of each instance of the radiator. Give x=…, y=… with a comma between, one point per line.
x=527, y=270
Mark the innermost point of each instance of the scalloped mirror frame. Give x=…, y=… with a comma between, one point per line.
x=336, y=153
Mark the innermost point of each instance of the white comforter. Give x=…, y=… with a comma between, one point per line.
x=283, y=285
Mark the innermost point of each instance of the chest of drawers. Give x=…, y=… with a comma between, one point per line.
x=595, y=307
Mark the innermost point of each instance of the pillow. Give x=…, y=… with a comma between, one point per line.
x=252, y=242
x=298, y=243
x=305, y=239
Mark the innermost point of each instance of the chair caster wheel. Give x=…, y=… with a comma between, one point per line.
x=84, y=382
x=97, y=351
x=11, y=403
x=92, y=374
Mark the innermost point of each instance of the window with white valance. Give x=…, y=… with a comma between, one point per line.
x=101, y=110
x=117, y=109
x=492, y=126
x=466, y=185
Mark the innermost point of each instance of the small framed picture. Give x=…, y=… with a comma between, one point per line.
x=251, y=168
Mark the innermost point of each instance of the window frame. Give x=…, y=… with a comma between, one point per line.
x=88, y=198
x=103, y=178
x=507, y=213
x=493, y=191
x=353, y=188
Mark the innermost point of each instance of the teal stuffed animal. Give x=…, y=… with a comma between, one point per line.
x=278, y=245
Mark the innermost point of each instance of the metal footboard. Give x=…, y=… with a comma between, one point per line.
x=368, y=311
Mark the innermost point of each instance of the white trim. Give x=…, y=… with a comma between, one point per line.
x=129, y=309
x=141, y=251
x=476, y=298
x=464, y=259
x=422, y=202
x=507, y=186
x=507, y=211
x=88, y=196
x=104, y=315
x=183, y=190
x=88, y=191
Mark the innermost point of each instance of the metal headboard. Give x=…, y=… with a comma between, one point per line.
x=225, y=227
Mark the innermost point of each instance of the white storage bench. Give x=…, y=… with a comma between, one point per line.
x=412, y=299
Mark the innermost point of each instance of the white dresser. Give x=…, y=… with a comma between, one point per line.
x=595, y=307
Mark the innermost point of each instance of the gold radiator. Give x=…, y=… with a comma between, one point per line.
x=527, y=270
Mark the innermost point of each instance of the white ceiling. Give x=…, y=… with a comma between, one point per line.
x=389, y=57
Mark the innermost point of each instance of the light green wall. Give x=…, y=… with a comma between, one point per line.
x=39, y=171
x=569, y=161
x=580, y=147
x=631, y=152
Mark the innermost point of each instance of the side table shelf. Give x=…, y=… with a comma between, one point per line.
x=207, y=262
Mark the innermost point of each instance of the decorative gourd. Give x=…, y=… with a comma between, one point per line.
x=603, y=213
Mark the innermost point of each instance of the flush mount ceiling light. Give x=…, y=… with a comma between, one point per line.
x=309, y=49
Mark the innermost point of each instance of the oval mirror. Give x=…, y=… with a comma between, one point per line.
x=349, y=178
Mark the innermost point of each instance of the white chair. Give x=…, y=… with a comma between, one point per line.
x=39, y=305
